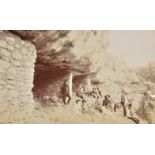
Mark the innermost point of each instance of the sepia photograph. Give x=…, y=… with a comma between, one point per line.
x=77, y=76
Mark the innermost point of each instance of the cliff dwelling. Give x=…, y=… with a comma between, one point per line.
x=34, y=65
x=39, y=62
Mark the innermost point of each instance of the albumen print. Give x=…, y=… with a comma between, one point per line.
x=77, y=77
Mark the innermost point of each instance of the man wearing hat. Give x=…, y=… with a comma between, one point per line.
x=124, y=101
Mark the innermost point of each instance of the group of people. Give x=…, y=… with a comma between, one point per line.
x=105, y=102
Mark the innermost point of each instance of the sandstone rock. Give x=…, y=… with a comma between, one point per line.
x=12, y=94
x=13, y=73
x=24, y=52
x=3, y=44
x=2, y=82
x=4, y=64
x=10, y=87
x=17, y=46
x=10, y=47
x=1, y=87
x=10, y=39
x=29, y=64
x=3, y=106
x=17, y=56
x=4, y=54
x=17, y=63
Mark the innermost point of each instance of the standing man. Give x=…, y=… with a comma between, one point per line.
x=65, y=92
x=124, y=101
x=145, y=108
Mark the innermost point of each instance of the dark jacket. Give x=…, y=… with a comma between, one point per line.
x=65, y=89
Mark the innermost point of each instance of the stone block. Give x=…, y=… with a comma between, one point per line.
x=12, y=71
x=12, y=94
x=10, y=39
x=5, y=54
x=28, y=64
x=3, y=43
x=4, y=64
x=23, y=43
x=2, y=72
x=16, y=70
x=2, y=82
x=24, y=52
x=11, y=82
x=18, y=46
x=10, y=87
x=3, y=105
x=17, y=55
x=1, y=87
x=3, y=77
x=10, y=47
x=17, y=63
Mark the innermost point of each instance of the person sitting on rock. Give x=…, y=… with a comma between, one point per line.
x=94, y=93
x=85, y=107
x=78, y=106
x=107, y=102
x=45, y=99
x=80, y=93
x=54, y=100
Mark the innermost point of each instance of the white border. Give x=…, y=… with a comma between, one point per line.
x=77, y=139
x=77, y=14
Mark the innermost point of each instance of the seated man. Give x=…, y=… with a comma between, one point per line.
x=80, y=93
x=94, y=93
x=45, y=99
x=107, y=102
x=85, y=107
x=78, y=106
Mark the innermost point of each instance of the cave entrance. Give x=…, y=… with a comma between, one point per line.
x=54, y=63
x=48, y=83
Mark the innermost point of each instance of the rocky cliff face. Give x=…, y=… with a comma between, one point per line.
x=82, y=52
x=17, y=59
x=114, y=74
x=36, y=63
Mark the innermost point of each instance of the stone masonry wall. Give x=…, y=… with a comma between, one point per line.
x=17, y=59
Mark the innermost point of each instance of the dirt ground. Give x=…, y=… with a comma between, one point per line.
x=60, y=115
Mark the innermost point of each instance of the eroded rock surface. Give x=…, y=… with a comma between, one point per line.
x=17, y=59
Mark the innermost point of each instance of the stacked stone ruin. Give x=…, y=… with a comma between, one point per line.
x=17, y=60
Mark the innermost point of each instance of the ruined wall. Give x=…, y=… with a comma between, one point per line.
x=17, y=58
